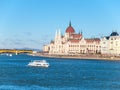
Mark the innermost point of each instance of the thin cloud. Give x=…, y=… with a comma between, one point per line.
x=28, y=33
x=34, y=41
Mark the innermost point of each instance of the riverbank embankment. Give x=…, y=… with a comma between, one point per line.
x=82, y=56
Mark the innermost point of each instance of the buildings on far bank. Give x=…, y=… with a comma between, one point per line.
x=110, y=45
x=73, y=43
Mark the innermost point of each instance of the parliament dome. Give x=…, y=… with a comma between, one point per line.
x=70, y=29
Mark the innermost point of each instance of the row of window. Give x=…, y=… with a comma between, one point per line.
x=84, y=46
x=113, y=38
x=112, y=43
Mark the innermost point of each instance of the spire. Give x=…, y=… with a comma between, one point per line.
x=70, y=23
x=59, y=33
x=56, y=34
x=81, y=32
x=51, y=41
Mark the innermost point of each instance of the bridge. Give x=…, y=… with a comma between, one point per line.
x=15, y=51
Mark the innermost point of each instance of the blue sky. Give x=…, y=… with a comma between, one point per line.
x=32, y=23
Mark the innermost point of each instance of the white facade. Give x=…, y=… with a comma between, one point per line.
x=72, y=44
x=111, y=45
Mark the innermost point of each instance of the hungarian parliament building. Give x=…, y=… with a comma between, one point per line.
x=75, y=44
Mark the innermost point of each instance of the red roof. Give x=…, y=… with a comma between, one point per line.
x=77, y=36
x=92, y=40
x=70, y=29
x=74, y=41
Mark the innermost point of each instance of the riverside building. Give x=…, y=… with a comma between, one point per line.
x=72, y=44
x=110, y=45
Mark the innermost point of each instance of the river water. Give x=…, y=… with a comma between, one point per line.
x=63, y=74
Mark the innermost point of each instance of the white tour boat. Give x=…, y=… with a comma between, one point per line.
x=39, y=63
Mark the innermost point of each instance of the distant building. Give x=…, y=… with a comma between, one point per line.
x=110, y=45
x=72, y=44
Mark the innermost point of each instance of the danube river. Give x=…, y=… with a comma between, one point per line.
x=63, y=74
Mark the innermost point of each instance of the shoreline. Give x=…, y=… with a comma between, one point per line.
x=84, y=56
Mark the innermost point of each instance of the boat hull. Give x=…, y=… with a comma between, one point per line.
x=41, y=63
x=38, y=65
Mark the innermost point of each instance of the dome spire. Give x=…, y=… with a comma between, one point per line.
x=70, y=23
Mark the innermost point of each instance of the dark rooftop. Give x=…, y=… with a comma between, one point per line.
x=114, y=34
